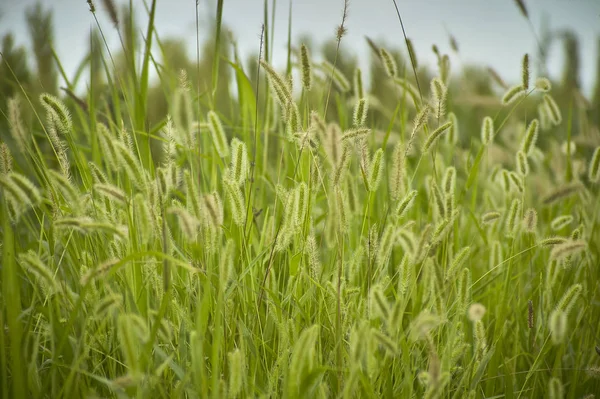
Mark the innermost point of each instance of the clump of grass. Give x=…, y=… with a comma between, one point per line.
x=336, y=240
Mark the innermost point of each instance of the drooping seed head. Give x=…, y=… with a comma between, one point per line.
x=567, y=248
x=530, y=138
x=513, y=94
x=552, y=109
x=560, y=222
x=388, y=62
x=490, y=217
x=594, y=168
x=433, y=137
x=543, y=85
x=561, y=193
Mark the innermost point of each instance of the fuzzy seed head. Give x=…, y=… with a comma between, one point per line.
x=491, y=217
x=513, y=94
x=560, y=222
x=568, y=300
x=359, y=91
x=594, y=168
x=530, y=220
x=487, y=130
x=525, y=72
x=513, y=217
x=476, y=312
x=555, y=387
x=567, y=248
x=439, y=92
x=360, y=112
x=238, y=170
x=306, y=70
x=552, y=108
x=453, y=133
x=522, y=163
x=543, y=85
x=433, y=137
x=376, y=170
x=218, y=134
x=558, y=326
x=388, y=62
x=530, y=138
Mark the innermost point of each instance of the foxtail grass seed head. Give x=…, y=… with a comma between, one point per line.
x=553, y=110
x=236, y=372
x=594, y=168
x=543, y=85
x=517, y=181
x=555, y=388
x=17, y=129
x=513, y=94
x=490, y=218
x=530, y=314
x=439, y=92
x=522, y=163
x=513, y=217
x=567, y=248
x=187, y=223
x=112, y=192
x=558, y=326
x=406, y=203
x=552, y=241
x=359, y=91
x=238, y=170
x=568, y=300
x=388, y=62
x=560, y=222
x=530, y=220
x=338, y=78
x=294, y=124
x=487, y=130
x=531, y=135
x=306, y=68
x=236, y=202
x=435, y=135
x=398, y=171
x=459, y=259
x=476, y=312
x=355, y=134
x=280, y=87
x=412, y=54
x=525, y=72
x=57, y=113
x=561, y=193
x=376, y=170
x=218, y=134
x=6, y=159
x=360, y=112
x=453, y=132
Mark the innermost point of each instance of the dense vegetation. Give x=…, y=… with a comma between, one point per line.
x=227, y=231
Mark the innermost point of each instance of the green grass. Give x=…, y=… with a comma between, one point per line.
x=137, y=262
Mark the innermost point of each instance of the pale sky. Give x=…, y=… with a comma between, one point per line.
x=489, y=32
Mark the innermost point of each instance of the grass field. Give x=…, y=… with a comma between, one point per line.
x=229, y=231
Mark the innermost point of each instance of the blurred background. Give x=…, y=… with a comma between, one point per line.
x=561, y=36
